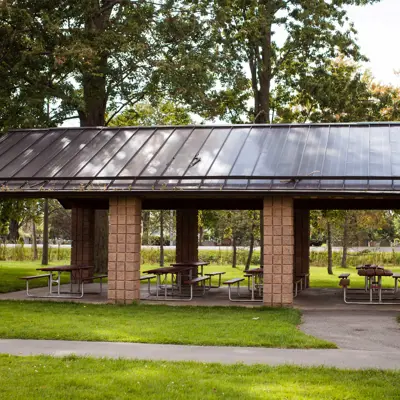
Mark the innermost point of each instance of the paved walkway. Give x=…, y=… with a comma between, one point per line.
x=355, y=329
x=342, y=358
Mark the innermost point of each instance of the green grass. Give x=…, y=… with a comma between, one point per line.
x=319, y=277
x=43, y=377
x=219, y=326
x=11, y=271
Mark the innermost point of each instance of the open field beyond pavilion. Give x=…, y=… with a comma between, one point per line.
x=10, y=271
x=85, y=378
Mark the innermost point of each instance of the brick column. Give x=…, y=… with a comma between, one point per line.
x=82, y=232
x=124, y=250
x=278, y=251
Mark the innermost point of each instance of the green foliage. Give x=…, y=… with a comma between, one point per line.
x=147, y=114
x=315, y=32
x=356, y=258
x=339, y=92
x=21, y=253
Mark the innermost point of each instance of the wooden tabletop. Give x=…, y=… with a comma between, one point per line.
x=190, y=263
x=166, y=270
x=254, y=271
x=62, y=268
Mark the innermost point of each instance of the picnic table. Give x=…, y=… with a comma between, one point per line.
x=164, y=271
x=70, y=269
x=371, y=273
x=256, y=281
x=192, y=264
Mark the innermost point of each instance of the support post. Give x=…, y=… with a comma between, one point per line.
x=187, y=235
x=278, y=251
x=124, y=250
x=82, y=250
x=302, y=243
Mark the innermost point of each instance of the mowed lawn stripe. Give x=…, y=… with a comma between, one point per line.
x=213, y=326
x=44, y=377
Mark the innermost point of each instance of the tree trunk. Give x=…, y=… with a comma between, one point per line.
x=161, y=238
x=201, y=235
x=345, y=239
x=45, y=254
x=234, y=255
x=259, y=58
x=13, y=234
x=146, y=226
x=329, y=243
x=171, y=229
x=101, y=241
x=34, y=242
x=248, y=262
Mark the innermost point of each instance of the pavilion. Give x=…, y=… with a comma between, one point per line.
x=282, y=170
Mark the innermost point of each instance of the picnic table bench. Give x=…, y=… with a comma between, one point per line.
x=30, y=278
x=195, y=281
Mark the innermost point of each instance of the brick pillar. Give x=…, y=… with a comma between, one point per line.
x=187, y=235
x=278, y=251
x=124, y=250
x=82, y=232
x=301, y=243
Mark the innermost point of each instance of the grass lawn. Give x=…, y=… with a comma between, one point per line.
x=219, y=326
x=319, y=277
x=43, y=377
x=10, y=271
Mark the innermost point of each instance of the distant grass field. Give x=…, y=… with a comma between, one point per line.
x=319, y=277
x=10, y=271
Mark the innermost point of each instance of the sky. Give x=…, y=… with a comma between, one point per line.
x=378, y=35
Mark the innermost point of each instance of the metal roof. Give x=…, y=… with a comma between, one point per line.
x=296, y=157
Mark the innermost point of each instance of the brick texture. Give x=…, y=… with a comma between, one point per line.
x=124, y=250
x=278, y=218
x=82, y=251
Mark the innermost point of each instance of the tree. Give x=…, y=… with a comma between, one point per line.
x=13, y=214
x=341, y=92
x=147, y=114
x=315, y=32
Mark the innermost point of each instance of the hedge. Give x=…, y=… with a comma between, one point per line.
x=222, y=256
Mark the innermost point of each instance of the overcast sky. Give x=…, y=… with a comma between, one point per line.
x=378, y=35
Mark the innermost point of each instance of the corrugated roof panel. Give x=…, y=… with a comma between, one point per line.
x=11, y=139
x=163, y=159
x=54, y=150
x=67, y=153
x=81, y=159
x=226, y=153
x=357, y=162
x=107, y=153
x=313, y=156
x=248, y=157
x=336, y=155
x=35, y=150
x=206, y=156
x=17, y=151
x=267, y=163
x=147, y=151
x=186, y=155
